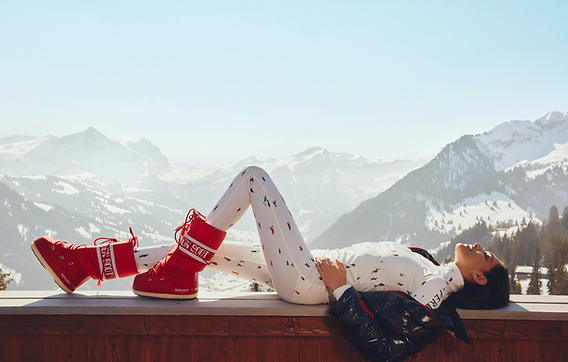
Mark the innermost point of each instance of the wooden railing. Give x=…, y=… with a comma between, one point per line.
x=118, y=326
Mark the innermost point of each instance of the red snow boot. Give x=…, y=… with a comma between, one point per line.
x=71, y=265
x=176, y=276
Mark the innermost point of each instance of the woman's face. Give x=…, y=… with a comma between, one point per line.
x=473, y=259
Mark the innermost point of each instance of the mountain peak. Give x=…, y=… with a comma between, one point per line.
x=552, y=120
x=515, y=141
x=310, y=151
x=250, y=160
x=89, y=132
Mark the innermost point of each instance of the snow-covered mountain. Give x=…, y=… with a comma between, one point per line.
x=125, y=161
x=319, y=186
x=83, y=186
x=513, y=142
x=515, y=171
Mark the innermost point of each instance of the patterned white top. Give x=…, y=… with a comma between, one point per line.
x=391, y=266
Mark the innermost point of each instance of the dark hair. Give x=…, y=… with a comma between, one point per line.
x=494, y=294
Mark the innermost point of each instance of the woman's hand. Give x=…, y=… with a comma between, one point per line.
x=333, y=274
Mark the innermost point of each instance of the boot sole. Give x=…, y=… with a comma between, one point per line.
x=45, y=265
x=164, y=295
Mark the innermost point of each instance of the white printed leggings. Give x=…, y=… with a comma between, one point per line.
x=287, y=266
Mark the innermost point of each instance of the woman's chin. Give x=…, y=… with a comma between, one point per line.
x=460, y=250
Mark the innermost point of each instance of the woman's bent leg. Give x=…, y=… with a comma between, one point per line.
x=288, y=258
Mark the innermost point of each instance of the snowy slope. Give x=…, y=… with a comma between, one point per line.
x=556, y=158
x=516, y=141
x=493, y=208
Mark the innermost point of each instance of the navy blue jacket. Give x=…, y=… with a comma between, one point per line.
x=390, y=326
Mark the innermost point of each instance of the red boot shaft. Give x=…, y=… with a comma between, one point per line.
x=176, y=277
x=198, y=242
x=109, y=260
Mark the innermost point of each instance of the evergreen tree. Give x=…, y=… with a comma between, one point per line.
x=565, y=218
x=530, y=236
x=551, y=285
x=4, y=280
x=496, y=246
x=535, y=283
x=505, y=239
x=506, y=256
x=553, y=213
x=557, y=274
x=515, y=286
x=520, y=253
x=550, y=230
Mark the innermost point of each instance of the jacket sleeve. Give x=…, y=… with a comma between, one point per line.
x=378, y=337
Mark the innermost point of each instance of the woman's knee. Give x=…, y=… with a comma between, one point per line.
x=253, y=170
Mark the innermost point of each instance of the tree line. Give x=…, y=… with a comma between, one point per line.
x=532, y=244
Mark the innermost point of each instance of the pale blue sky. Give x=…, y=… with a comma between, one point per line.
x=212, y=82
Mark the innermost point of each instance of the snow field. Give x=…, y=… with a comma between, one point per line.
x=492, y=209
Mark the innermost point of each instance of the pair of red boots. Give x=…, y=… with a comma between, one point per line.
x=174, y=277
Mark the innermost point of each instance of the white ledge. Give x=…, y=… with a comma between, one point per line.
x=522, y=307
